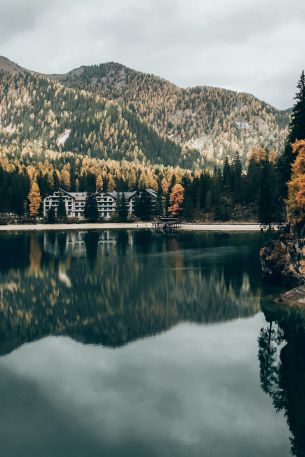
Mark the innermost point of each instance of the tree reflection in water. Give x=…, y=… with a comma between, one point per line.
x=282, y=367
x=112, y=287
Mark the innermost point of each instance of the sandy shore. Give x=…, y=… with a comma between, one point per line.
x=139, y=225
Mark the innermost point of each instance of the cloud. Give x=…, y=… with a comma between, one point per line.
x=191, y=391
x=250, y=46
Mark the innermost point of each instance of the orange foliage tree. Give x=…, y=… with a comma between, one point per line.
x=176, y=200
x=34, y=199
x=296, y=187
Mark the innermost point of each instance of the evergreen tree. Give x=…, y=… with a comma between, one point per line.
x=121, y=207
x=91, y=209
x=51, y=216
x=267, y=210
x=159, y=208
x=297, y=132
x=144, y=206
x=61, y=208
x=237, y=181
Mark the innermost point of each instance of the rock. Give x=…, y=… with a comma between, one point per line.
x=294, y=297
x=279, y=262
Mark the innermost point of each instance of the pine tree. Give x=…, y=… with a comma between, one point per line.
x=159, y=208
x=91, y=209
x=34, y=199
x=144, y=206
x=267, y=209
x=297, y=132
x=51, y=216
x=121, y=208
x=61, y=208
x=236, y=175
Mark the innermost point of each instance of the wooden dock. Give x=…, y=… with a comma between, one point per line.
x=167, y=224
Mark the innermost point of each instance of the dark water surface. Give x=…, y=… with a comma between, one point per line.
x=129, y=343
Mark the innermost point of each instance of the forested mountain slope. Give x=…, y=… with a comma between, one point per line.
x=111, y=111
x=216, y=121
x=37, y=110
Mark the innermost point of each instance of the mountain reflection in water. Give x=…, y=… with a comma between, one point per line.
x=112, y=287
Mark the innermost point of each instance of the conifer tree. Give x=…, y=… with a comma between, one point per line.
x=34, y=199
x=144, y=206
x=61, y=208
x=159, y=208
x=267, y=209
x=297, y=132
x=121, y=208
x=176, y=200
x=51, y=216
x=91, y=209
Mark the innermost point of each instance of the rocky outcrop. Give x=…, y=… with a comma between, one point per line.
x=294, y=297
x=282, y=260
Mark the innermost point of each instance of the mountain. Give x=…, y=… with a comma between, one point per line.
x=111, y=111
x=9, y=66
x=36, y=110
x=215, y=121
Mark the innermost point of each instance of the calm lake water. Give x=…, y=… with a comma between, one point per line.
x=129, y=343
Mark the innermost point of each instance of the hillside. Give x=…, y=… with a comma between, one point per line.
x=217, y=122
x=111, y=111
x=37, y=110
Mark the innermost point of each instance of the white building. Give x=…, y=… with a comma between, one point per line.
x=106, y=202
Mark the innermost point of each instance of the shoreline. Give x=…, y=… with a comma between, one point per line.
x=132, y=226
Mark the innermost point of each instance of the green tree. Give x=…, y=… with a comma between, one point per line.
x=296, y=132
x=159, y=208
x=91, y=209
x=267, y=213
x=121, y=207
x=51, y=216
x=61, y=208
x=144, y=206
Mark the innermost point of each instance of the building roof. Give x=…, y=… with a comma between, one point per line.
x=78, y=195
x=81, y=196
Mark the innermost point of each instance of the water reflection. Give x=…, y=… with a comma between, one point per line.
x=112, y=287
x=282, y=366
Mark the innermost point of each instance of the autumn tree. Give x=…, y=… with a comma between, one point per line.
x=296, y=132
x=176, y=200
x=34, y=199
x=296, y=186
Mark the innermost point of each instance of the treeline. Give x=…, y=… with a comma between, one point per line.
x=228, y=193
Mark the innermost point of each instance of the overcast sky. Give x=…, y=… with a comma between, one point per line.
x=256, y=46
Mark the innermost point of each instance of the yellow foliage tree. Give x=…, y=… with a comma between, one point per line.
x=176, y=200
x=296, y=187
x=99, y=183
x=34, y=199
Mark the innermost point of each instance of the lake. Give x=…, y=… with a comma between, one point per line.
x=131, y=343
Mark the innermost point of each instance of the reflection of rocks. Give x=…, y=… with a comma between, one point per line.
x=282, y=365
x=118, y=294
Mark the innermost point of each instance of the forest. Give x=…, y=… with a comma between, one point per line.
x=264, y=188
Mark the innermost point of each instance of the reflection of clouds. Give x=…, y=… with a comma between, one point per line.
x=194, y=389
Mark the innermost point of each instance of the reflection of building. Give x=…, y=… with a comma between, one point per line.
x=106, y=202
x=73, y=244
